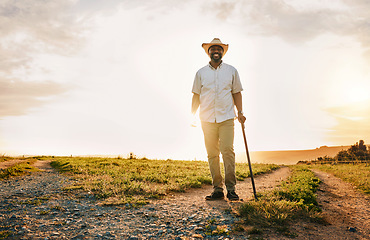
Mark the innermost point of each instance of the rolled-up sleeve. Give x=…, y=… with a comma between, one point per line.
x=237, y=85
x=197, y=85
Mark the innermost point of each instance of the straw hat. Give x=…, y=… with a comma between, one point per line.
x=215, y=41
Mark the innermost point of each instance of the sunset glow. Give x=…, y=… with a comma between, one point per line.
x=87, y=77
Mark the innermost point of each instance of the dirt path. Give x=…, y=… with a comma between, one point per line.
x=346, y=210
x=44, y=166
x=36, y=207
x=263, y=183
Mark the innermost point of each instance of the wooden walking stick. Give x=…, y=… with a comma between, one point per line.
x=249, y=162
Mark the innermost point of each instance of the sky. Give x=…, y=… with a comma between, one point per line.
x=89, y=77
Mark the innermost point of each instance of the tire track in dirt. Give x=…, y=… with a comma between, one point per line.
x=344, y=207
x=44, y=165
x=346, y=211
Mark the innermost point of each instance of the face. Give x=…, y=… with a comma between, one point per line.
x=216, y=52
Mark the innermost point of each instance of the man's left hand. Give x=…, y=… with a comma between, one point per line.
x=241, y=118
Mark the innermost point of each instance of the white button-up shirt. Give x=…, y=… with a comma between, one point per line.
x=215, y=87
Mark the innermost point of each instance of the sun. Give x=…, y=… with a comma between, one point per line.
x=356, y=94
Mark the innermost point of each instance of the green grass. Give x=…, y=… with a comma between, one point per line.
x=300, y=188
x=356, y=174
x=5, y=234
x=135, y=181
x=19, y=169
x=4, y=158
x=294, y=199
x=242, y=170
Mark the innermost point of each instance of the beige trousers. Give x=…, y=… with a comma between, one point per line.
x=219, y=137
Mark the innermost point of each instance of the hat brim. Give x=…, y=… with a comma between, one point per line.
x=206, y=47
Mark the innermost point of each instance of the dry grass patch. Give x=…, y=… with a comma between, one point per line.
x=134, y=181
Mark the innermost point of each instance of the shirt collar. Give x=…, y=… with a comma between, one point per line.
x=219, y=66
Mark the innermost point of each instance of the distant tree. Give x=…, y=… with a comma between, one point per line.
x=343, y=155
x=353, y=149
x=362, y=146
x=357, y=151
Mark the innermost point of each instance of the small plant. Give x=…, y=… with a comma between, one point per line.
x=213, y=229
x=36, y=201
x=57, y=207
x=212, y=221
x=5, y=234
x=44, y=198
x=44, y=212
x=221, y=230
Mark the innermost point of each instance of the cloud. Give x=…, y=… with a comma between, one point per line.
x=353, y=123
x=281, y=19
x=298, y=23
x=29, y=28
x=42, y=25
x=18, y=97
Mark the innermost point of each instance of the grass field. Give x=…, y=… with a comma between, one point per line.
x=134, y=181
x=356, y=174
x=294, y=199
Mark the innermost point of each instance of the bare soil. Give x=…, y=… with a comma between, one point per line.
x=44, y=166
x=346, y=209
x=244, y=189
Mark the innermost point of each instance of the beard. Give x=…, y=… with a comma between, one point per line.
x=216, y=59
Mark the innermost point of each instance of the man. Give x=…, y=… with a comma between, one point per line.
x=216, y=89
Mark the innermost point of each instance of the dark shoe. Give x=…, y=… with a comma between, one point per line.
x=232, y=196
x=215, y=196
